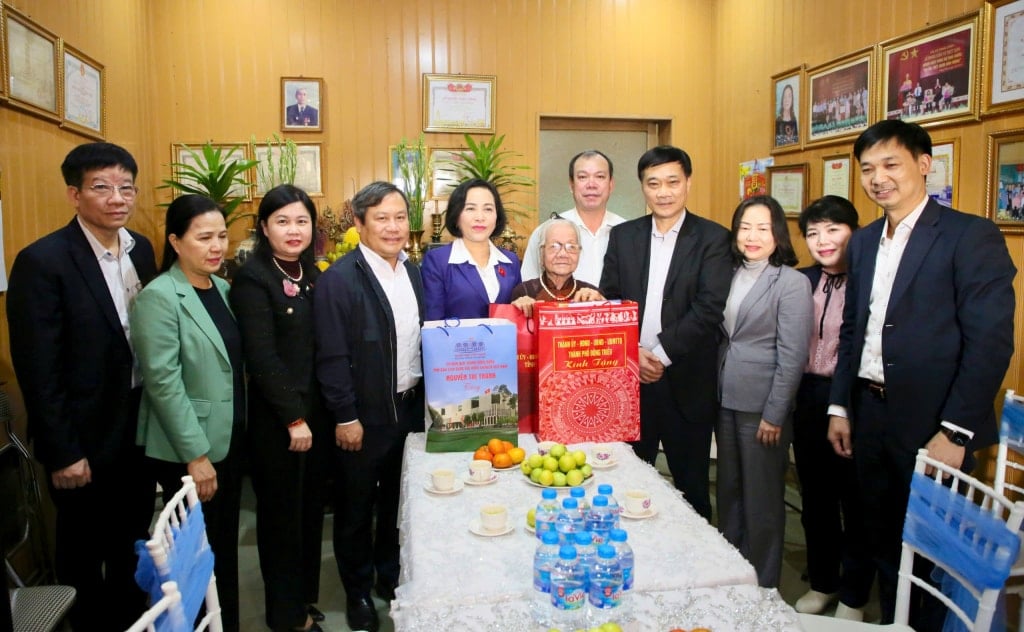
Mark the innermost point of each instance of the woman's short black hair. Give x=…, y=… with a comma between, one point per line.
x=457, y=202
x=830, y=208
x=275, y=199
x=180, y=214
x=784, y=254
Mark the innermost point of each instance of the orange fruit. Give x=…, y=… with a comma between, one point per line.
x=502, y=460
x=483, y=454
x=496, y=446
x=518, y=455
x=508, y=445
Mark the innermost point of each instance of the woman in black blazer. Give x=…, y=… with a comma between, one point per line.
x=272, y=297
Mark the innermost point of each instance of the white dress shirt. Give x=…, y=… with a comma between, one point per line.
x=663, y=245
x=594, y=246
x=460, y=254
x=405, y=310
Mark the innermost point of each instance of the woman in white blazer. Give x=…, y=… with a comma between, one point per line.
x=767, y=327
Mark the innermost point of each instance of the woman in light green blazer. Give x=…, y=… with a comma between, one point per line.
x=192, y=416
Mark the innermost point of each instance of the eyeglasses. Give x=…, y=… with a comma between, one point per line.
x=554, y=248
x=127, y=191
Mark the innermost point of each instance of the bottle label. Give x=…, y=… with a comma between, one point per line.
x=568, y=596
x=605, y=594
x=542, y=580
x=627, y=578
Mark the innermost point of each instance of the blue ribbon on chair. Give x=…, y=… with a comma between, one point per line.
x=947, y=527
x=191, y=566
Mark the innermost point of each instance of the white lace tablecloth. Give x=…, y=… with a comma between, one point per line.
x=448, y=572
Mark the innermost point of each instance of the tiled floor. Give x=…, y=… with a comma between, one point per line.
x=332, y=596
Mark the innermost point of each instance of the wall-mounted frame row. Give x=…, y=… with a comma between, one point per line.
x=960, y=70
x=308, y=167
x=47, y=77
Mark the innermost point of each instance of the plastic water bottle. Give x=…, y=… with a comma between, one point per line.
x=568, y=596
x=543, y=561
x=580, y=495
x=586, y=554
x=605, y=590
x=569, y=521
x=605, y=489
x=601, y=520
x=546, y=513
x=624, y=554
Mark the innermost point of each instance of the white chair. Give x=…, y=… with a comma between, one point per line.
x=968, y=530
x=1009, y=473
x=169, y=603
x=178, y=551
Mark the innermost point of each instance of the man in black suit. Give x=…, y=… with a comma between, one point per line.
x=67, y=309
x=301, y=114
x=926, y=339
x=680, y=264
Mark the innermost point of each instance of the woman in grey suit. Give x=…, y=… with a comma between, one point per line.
x=767, y=327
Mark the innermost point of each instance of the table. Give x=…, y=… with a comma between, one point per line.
x=686, y=573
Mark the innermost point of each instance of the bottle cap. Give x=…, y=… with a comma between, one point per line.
x=600, y=501
x=549, y=537
x=567, y=552
x=577, y=492
x=604, y=489
x=618, y=535
x=549, y=494
x=606, y=550
x=583, y=538
x=569, y=503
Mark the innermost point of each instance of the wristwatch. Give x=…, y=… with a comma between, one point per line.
x=955, y=437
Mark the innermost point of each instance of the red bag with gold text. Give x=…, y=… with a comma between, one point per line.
x=589, y=373
x=526, y=354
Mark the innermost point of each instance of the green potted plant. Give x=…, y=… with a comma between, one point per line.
x=211, y=171
x=412, y=168
x=279, y=165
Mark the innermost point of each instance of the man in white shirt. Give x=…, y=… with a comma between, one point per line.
x=591, y=183
x=926, y=340
x=368, y=313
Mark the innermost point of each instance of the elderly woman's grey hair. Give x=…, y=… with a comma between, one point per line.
x=546, y=227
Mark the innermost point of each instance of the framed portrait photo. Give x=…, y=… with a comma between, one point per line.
x=930, y=77
x=786, y=108
x=302, y=102
x=84, y=91
x=942, y=178
x=836, y=176
x=442, y=171
x=1003, y=73
x=839, y=100
x=458, y=103
x=32, y=56
x=1005, y=190
x=788, y=185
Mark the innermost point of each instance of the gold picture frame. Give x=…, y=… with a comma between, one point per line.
x=31, y=63
x=942, y=181
x=787, y=132
x=311, y=116
x=83, y=85
x=837, y=175
x=462, y=104
x=1002, y=80
x=1004, y=192
x=308, y=167
x=241, y=152
x=839, y=98
x=949, y=53
x=788, y=185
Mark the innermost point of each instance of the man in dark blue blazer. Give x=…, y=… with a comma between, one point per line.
x=681, y=265
x=67, y=309
x=301, y=114
x=926, y=339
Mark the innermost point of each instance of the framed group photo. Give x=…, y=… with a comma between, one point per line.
x=931, y=76
x=32, y=65
x=84, y=92
x=1005, y=190
x=788, y=185
x=839, y=102
x=1004, y=56
x=458, y=103
x=302, y=104
x=786, y=110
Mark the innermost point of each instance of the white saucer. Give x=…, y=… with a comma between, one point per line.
x=530, y=529
x=603, y=465
x=456, y=488
x=510, y=468
x=476, y=528
x=494, y=477
x=650, y=513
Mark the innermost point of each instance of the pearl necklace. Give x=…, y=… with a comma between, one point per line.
x=555, y=296
x=288, y=276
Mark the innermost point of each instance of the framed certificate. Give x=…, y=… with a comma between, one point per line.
x=83, y=93
x=835, y=176
x=458, y=103
x=788, y=185
x=32, y=68
x=1004, y=56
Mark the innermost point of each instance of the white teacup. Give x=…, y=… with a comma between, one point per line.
x=604, y=453
x=544, y=447
x=480, y=470
x=638, y=501
x=494, y=517
x=442, y=479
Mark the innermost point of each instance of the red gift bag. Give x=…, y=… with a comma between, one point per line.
x=526, y=354
x=589, y=373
